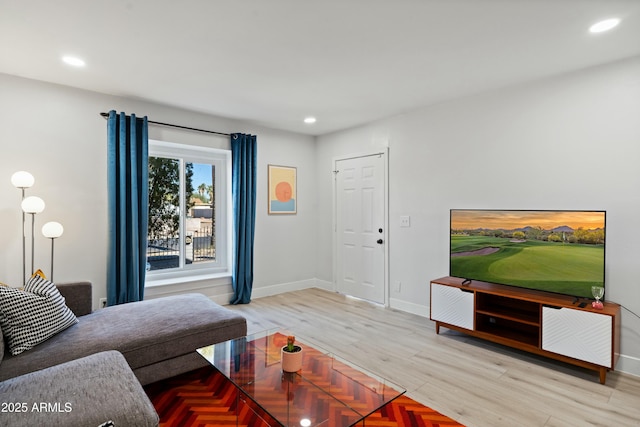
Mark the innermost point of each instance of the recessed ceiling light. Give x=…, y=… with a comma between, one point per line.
x=605, y=25
x=309, y=120
x=73, y=60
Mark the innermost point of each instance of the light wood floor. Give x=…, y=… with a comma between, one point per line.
x=472, y=381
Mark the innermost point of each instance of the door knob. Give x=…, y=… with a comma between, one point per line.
x=379, y=241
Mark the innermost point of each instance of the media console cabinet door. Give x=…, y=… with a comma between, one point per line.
x=452, y=305
x=579, y=334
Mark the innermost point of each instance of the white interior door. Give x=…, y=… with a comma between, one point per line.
x=360, y=227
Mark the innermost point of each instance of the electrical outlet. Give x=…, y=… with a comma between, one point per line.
x=405, y=221
x=398, y=285
x=103, y=302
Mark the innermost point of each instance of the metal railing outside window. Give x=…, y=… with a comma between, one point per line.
x=164, y=252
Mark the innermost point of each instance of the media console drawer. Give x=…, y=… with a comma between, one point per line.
x=579, y=334
x=452, y=305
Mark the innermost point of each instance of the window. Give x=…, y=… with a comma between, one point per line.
x=189, y=202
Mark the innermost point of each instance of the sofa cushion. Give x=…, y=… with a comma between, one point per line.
x=31, y=316
x=78, y=296
x=84, y=392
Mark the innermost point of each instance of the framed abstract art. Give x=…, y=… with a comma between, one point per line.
x=282, y=190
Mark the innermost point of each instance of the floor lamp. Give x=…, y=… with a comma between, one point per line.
x=23, y=180
x=52, y=230
x=32, y=205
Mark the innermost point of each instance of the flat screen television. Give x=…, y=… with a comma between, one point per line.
x=557, y=251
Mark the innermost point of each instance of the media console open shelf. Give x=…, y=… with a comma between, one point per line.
x=543, y=323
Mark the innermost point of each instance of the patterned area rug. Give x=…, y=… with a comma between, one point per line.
x=206, y=398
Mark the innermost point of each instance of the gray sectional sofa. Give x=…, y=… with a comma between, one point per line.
x=103, y=360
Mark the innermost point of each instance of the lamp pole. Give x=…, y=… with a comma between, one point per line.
x=23, y=180
x=32, y=205
x=24, y=245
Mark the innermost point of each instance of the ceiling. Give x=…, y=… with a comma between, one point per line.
x=272, y=63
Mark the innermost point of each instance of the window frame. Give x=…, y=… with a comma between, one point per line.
x=221, y=159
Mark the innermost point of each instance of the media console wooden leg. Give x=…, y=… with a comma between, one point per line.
x=437, y=328
x=603, y=375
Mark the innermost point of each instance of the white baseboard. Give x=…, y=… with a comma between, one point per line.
x=409, y=307
x=324, y=284
x=279, y=288
x=629, y=365
x=266, y=291
x=222, y=299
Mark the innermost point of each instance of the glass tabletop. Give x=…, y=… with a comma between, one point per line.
x=327, y=391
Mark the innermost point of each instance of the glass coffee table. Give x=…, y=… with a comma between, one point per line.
x=327, y=391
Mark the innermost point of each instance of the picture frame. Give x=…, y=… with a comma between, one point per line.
x=282, y=190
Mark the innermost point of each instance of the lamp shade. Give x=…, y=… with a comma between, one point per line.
x=22, y=179
x=52, y=230
x=32, y=205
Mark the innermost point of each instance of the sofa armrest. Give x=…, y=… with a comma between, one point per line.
x=78, y=296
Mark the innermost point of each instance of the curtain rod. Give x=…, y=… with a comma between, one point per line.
x=105, y=115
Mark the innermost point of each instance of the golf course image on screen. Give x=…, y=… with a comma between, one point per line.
x=556, y=251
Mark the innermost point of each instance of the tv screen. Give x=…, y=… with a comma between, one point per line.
x=555, y=251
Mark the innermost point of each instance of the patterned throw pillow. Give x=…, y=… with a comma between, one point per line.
x=1, y=345
x=33, y=315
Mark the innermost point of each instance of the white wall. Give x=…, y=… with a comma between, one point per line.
x=571, y=142
x=285, y=246
x=57, y=134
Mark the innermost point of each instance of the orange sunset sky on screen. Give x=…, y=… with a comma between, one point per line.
x=519, y=219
